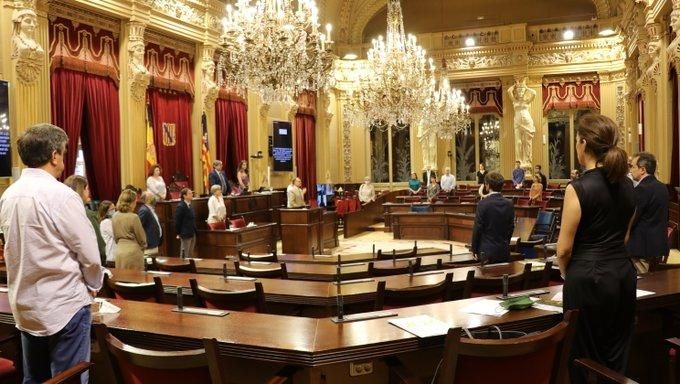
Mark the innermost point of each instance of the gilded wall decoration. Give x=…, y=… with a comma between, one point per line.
x=27, y=54
x=477, y=61
x=621, y=114
x=139, y=74
x=568, y=56
x=346, y=143
x=208, y=85
x=673, y=49
x=179, y=9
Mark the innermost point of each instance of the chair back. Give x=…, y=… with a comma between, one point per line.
x=411, y=296
x=494, y=284
x=394, y=270
x=460, y=290
x=238, y=223
x=218, y=226
x=468, y=199
x=544, y=226
x=150, y=292
x=397, y=254
x=420, y=208
x=412, y=199
x=539, y=358
x=71, y=375
x=132, y=365
x=279, y=271
x=188, y=267
x=523, y=202
x=268, y=257
x=251, y=300
x=541, y=280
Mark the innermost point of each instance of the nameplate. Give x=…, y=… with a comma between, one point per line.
x=201, y=311
x=354, y=281
x=241, y=278
x=362, y=317
x=162, y=273
x=520, y=294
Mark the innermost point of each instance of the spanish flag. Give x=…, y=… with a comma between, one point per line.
x=151, y=159
x=205, y=154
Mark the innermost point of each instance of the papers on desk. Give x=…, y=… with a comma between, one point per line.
x=557, y=297
x=161, y=273
x=251, y=224
x=104, y=306
x=486, y=307
x=421, y=326
x=643, y=293
x=201, y=311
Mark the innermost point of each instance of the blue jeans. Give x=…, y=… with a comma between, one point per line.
x=45, y=356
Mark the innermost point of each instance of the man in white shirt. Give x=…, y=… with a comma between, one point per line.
x=366, y=191
x=448, y=181
x=295, y=194
x=52, y=259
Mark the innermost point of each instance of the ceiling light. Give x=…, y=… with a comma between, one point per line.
x=607, y=32
x=568, y=34
x=350, y=56
x=470, y=42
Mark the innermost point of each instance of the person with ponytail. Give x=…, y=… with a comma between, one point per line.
x=599, y=277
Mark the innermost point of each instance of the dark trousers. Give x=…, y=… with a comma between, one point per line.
x=46, y=356
x=604, y=293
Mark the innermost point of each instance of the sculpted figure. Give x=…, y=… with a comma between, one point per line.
x=521, y=97
x=139, y=75
x=29, y=55
x=210, y=88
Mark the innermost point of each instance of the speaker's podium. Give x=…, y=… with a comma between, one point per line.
x=302, y=230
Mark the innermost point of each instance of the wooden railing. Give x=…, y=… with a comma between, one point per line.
x=369, y=214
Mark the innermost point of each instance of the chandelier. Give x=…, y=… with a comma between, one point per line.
x=447, y=112
x=398, y=80
x=275, y=50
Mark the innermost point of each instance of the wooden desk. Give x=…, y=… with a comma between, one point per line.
x=256, y=207
x=527, y=210
x=302, y=230
x=229, y=242
x=330, y=230
x=390, y=208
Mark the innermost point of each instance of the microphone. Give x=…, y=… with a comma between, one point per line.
x=410, y=269
x=506, y=279
x=180, y=304
x=338, y=297
x=450, y=252
x=394, y=257
x=224, y=271
x=373, y=251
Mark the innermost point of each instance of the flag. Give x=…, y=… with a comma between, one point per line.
x=205, y=154
x=151, y=159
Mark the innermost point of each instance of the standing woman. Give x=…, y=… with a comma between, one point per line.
x=217, y=211
x=106, y=211
x=128, y=233
x=79, y=184
x=599, y=278
x=481, y=174
x=242, y=176
x=155, y=183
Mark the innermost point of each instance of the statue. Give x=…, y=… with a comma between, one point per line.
x=521, y=97
x=210, y=88
x=428, y=142
x=29, y=55
x=139, y=75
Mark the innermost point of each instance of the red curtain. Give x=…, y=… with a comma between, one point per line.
x=171, y=115
x=86, y=107
x=231, y=122
x=305, y=152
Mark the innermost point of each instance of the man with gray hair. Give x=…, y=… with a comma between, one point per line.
x=150, y=223
x=53, y=265
x=218, y=177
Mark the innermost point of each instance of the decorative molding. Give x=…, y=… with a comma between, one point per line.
x=554, y=33
x=264, y=110
x=28, y=56
x=185, y=10
x=139, y=74
x=571, y=78
x=598, y=50
x=78, y=15
x=292, y=112
x=346, y=144
x=456, y=60
x=174, y=43
x=621, y=114
x=483, y=38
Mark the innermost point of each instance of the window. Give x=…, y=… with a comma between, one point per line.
x=483, y=133
x=561, y=135
x=390, y=154
x=80, y=161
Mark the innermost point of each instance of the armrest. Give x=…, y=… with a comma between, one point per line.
x=70, y=375
x=597, y=370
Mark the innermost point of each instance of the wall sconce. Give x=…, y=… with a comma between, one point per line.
x=258, y=156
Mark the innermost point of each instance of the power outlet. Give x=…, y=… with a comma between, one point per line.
x=360, y=369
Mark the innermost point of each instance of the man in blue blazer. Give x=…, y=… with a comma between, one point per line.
x=494, y=223
x=218, y=177
x=185, y=223
x=648, y=234
x=150, y=223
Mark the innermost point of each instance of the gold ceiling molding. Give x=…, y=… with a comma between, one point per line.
x=163, y=41
x=578, y=52
x=479, y=58
x=484, y=37
x=478, y=84
x=79, y=15
x=189, y=11
x=553, y=33
x=571, y=78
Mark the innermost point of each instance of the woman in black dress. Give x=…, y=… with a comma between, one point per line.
x=599, y=278
x=481, y=174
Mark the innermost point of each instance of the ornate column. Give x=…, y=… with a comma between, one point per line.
x=659, y=132
x=346, y=139
x=631, y=91
x=134, y=80
x=673, y=49
x=325, y=146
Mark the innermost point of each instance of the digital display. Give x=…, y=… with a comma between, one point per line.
x=282, y=151
x=5, y=137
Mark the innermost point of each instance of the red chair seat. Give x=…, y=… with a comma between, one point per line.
x=238, y=223
x=7, y=368
x=220, y=225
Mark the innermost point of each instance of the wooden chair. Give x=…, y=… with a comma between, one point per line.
x=468, y=199
x=539, y=358
x=380, y=271
x=397, y=254
x=542, y=280
x=279, y=272
x=544, y=226
x=269, y=257
x=494, y=284
x=151, y=292
x=523, y=202
x=251, y=300
x=457, y=264
x=218, y=226
x=389, y=298
x=460, y=290
x=132, y=365
x=71, y=375
x=598, y=373
x=189, y=266
x=217, y=369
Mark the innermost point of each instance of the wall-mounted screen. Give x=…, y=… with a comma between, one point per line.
x=282, y=151
x=5, y=139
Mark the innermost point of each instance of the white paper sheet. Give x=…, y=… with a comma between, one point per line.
x=486, y=307
x=105, y=306
x=643, y=293
x=421, y=326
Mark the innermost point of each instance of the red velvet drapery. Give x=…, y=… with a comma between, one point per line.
x=305, y=152
x=86, y=107
x=171, y=115
x=231, y=125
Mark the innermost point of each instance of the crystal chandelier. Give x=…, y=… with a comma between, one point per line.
x=398, y=80
x=275, y=50
x=447, y=111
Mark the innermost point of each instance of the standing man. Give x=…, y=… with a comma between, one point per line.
x=185, y=223
x=427, y=175
x=53, y=264
x=540, y=177
x=494, y=223
x=366, y=191
x=518, y=175
x=295, y=194
x=448, y=181
x=150, y=223
x=218, y=177
x=648, y=233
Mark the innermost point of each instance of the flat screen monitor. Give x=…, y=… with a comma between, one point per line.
x=325, y=194
x=5, y=138
x=282, y=147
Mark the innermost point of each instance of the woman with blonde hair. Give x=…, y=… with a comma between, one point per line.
x=217, y=211
x=128, y=233
x=80, y=186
